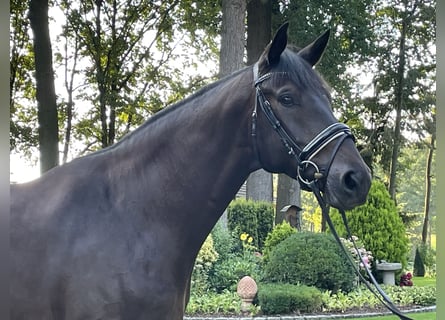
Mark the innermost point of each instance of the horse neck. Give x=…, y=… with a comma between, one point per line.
x=196, y=156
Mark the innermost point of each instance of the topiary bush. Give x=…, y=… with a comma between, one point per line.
x=378, y=224
x=313, y=259
x=279, y=233
x=419, y=266
x=252, y=217
x=288, y=298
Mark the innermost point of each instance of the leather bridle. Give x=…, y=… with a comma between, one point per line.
x=304, y=158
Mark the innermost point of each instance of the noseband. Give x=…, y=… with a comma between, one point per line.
x=303, y=156
x=336, y=131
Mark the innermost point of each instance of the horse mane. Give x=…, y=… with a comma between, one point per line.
x=168, y=110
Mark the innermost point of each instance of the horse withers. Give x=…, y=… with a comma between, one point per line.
x=114, y=234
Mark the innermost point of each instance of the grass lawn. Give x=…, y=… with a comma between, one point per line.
x=423, y=281
x=415, y=316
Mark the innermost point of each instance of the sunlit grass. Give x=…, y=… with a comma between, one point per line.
x=414, y=316
x=424, y=281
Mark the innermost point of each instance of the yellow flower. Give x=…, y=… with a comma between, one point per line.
x=243, y=236
x=249, y=240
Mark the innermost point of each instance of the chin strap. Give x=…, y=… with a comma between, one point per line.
x=376, y=290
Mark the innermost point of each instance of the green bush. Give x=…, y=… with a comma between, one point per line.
x=236, y=259
x=426, y=256
x=203, y=264
x=214, y=303
x=362, y=298
x=252, y=217
x=225, y=274
x=378, y=224
x=288, y=298
x=313, y=259
x=223, y=241
x=279, y=233
x=419, y=267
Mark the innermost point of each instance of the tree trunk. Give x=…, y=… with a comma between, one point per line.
x=426, y=218
x=231, y=57
x=399, y=105
x=259, y=20
x=45, y=91
x=69, y=86
x=288, y=193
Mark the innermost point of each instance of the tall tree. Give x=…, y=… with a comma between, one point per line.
x=231, y=57
x=45, y=91
x=134, y=77
x=428, y=170
x=259, y=18
x=404, y=69
x=21, y=81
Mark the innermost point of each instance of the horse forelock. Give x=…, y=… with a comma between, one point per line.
x=299, y=72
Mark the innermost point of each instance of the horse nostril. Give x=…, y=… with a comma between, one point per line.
x=351, y=180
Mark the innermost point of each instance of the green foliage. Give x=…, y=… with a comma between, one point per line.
x=278, y=234
x=288, y=298
x=228, y=303
x=214, y=303
x=233, y=263
x=428, y=257
x=252, y=217
x=378, y=225
x=226, y=273
x=362, y=298
x=313, y=259
x=223, y=241
x=419, y=267
x=207, y=255
x=120, y=69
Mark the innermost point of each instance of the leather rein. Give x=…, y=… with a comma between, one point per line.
x=303, y=157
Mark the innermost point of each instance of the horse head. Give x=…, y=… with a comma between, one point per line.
x=295, y=131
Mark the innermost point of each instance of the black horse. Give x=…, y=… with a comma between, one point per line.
x=114, y=235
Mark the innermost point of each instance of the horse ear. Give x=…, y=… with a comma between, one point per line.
x=313, y=52
x=278, y=45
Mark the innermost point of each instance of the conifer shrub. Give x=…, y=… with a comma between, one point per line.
x=252, y=217
x=287, y=298
x=419, y=266
x=312, y=259
x=378, y=224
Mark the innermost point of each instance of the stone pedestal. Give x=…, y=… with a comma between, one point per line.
x=388, y=271
x=247, y=290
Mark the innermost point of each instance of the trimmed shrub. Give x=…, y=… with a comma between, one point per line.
x=252, y=217
x=279, y=233
x=313, y=259
x=378, y=224
x=288, y=298
x=428, y=257
x=419, y=267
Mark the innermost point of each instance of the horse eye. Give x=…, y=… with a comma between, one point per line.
x=286, y=100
